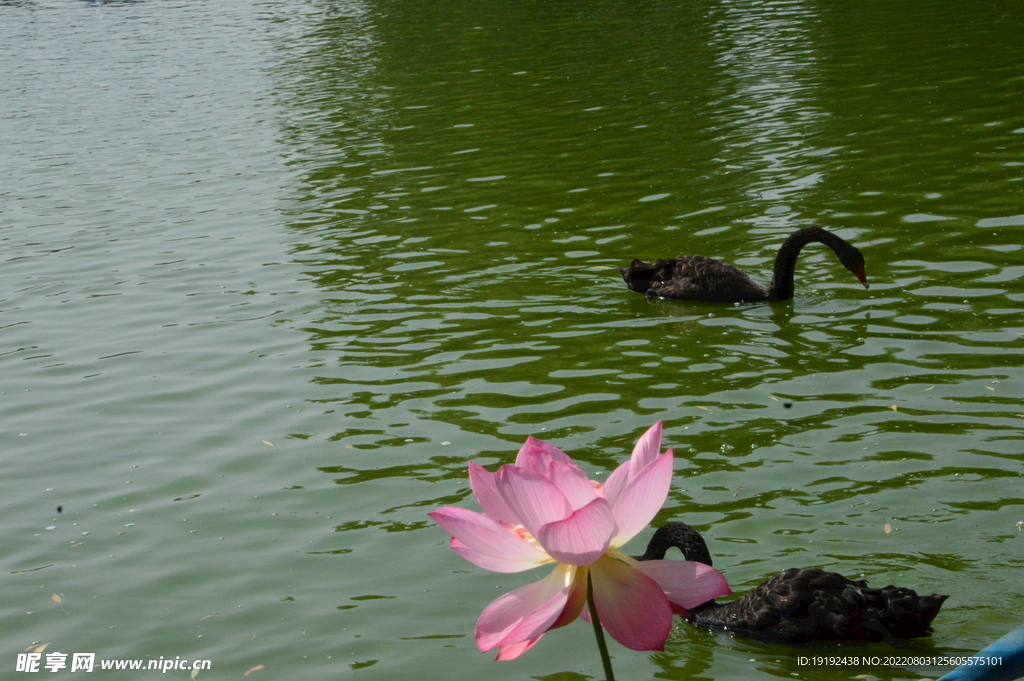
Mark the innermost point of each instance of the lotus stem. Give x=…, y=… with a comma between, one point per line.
x=599, y=632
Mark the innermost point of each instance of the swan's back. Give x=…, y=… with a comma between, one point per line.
x=693, y=277
x=802, y=605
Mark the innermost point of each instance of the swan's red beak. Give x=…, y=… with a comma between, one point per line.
x=861, y=277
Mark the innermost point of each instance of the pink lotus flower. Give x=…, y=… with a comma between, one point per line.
x=545, y=510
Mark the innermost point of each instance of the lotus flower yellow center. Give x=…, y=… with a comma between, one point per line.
x=525, y=535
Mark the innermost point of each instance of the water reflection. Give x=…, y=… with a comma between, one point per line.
x=770, y=120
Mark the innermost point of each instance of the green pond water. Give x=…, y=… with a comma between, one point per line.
x=274, y=273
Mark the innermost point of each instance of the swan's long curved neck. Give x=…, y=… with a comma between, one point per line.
x=781, y=287
x=682, y=537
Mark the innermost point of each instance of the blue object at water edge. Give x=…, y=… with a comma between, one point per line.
x=1006, y=663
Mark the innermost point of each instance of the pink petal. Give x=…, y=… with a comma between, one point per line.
x=514, y=650
x=572, y=482
x=484, y=536
x=536, y=455
x=644, y=453
x=616, y=482
x=526, y=613
x=490, y=562
x=632, y=606
x=581, y=538
x=647, y=447
x=532, y=498
x=686, y=583
x=642, y=497
x=485, y=489
x=576, y=601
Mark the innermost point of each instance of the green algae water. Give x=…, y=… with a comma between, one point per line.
x=273, y=274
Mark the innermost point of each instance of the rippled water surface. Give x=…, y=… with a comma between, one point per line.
x=274, y=273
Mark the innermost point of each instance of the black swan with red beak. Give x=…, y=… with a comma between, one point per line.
x=695, y=277
x=802, y=605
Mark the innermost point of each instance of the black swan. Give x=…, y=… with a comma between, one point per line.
x=804, y=605
x=695, y=277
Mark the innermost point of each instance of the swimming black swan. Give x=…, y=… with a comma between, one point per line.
x=804, y=605
x=695, y=277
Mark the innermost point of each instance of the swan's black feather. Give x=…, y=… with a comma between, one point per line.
x=693, y=277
